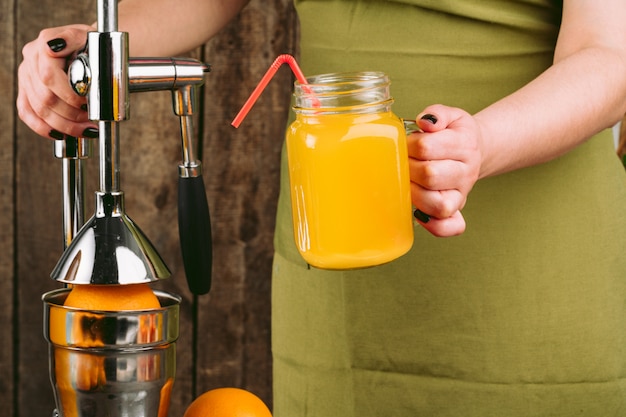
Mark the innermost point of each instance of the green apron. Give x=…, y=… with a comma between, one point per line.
x=522, y=315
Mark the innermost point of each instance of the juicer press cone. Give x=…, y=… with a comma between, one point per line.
x=110, y=249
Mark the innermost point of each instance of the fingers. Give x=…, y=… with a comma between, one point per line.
x=46, y=102
x=439, y=211
x=444, y=163
x=63, y=41
x=442, y=174
x=448, y=227
x=44, y=111
x=440, y=203
x=48, y=58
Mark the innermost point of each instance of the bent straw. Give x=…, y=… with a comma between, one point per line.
x=282, y=59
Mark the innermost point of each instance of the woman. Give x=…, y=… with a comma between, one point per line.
x=523, y=311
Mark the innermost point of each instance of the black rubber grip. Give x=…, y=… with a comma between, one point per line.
x=194, y=227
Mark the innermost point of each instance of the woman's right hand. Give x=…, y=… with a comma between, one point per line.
x=45, y=100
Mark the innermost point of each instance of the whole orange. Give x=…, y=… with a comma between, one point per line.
x=112, y=297
x=228, y=402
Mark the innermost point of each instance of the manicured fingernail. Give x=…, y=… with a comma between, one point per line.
x=84, y=107
x=55, y=134
x=91, y=133
x=430, y=118
x=421, y=216
x=57, y=45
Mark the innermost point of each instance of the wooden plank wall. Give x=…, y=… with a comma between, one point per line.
x=7, y=193
x=225, y=336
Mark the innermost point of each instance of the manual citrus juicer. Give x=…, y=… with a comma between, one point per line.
x=105, y=363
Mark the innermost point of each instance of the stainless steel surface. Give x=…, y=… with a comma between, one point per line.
x=108, y=364
x=110, y=249
x=108, y=92
x=158, y=74
x=107, y=15
x=144, y=74
x=72, y=151
x=184, y=101
x=79, y=74
x=73, y=148
x=114, y=364
x=73, y=198
x=109, y=150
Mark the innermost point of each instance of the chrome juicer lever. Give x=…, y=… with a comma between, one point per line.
x=182, y=76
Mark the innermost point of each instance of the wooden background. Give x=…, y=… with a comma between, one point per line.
x=225, y=336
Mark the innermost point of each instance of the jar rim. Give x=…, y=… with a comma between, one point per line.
x=331, y=81
x=343, y=91
x=345, y=75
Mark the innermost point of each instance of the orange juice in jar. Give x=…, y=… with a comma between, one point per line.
x=348, y=171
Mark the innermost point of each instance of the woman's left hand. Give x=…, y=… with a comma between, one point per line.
x=444, y=165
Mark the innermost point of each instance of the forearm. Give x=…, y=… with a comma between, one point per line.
x=577, y=97
x=171, y=27
x=581, y=94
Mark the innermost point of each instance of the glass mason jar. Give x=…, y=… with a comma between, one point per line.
x=348, y=171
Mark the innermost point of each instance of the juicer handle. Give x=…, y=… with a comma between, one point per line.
x=194, y=223
x=194, y=226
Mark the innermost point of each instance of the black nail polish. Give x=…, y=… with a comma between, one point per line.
x=421, y=216
x=84, y=107
x=430, y=118
x=55, y=134
x=91, y=133
x=57, y=45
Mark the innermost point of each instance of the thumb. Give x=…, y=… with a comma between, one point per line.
x=428, y=123
x=438, y=117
